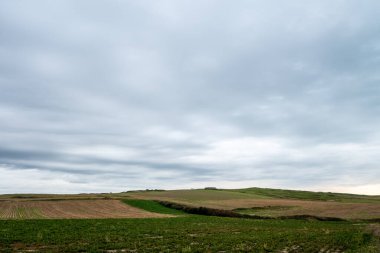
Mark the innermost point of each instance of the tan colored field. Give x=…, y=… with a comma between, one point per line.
x=71, y=209
x=194, y=195
x=300, y=207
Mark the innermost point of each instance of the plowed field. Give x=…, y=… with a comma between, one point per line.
x=71, y=209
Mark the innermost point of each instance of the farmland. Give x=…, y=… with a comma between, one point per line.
x=184, y=234
x=272, y=202
x=71, y=209
x=135, y=222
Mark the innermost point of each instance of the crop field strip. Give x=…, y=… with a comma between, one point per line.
x=307, y=204
x=195, y=195
x=300, y=207
x=71, y=209
x=254, y=193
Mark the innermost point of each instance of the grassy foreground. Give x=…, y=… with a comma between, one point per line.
x=184, y=234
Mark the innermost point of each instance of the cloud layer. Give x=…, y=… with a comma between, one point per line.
x=99, y=96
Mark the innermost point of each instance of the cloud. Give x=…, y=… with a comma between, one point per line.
x=113, y=96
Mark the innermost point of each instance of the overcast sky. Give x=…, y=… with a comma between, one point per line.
x=109, y=96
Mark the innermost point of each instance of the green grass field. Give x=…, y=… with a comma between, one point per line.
x=152, y=206
x=264, y=211
x=184, y=234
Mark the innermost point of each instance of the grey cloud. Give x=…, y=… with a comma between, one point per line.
x=147, y=93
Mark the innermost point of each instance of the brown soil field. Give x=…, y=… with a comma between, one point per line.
x=82, y=196
x=300, y=207
x=71, y=209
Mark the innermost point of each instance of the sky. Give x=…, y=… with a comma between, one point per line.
x=110, y=96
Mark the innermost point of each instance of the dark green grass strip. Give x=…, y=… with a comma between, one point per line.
x=228, y=213
x=152, y=206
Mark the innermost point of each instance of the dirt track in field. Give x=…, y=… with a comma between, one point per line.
x=317, y=208
x=71, y=209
